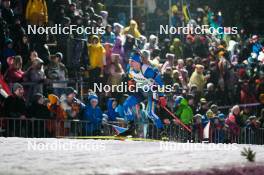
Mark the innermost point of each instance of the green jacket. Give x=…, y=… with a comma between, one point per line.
x=184, y=112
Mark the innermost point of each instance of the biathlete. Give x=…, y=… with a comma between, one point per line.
x=147, y=84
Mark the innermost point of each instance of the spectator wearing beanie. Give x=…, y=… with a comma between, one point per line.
x=15, y=107
x=57, y=71
x=17, y=100
x=67, y=101
x=92, y=113
x=36, y=75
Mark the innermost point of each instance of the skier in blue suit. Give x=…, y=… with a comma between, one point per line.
x=147, y=84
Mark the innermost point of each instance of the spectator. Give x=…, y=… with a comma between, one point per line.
x=210, y=94
x=4, y=89
x=7, y=12
x=96, y=54
x=111, y=109
x=118, y=29
x=93, y=115
x=119, y=49
x=183, y=110
x=176, y=48
x=14, y=73
x=256, y=47
x=56, y=71
x=109, y=36
x=8, y=51
x=38, y=110
x=23, y=49
x=17, y=100
x=67, y=101
x=35, y=74
x=253, y=123
x=116, y=71
x=132, y=29
x=33, y=56
x=152, y=44
x=56, y=126
x=232, y=123
x=198, y=79
x=168, y=63
x=15, y=107
x=37, y=12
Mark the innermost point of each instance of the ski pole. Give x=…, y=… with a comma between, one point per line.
x=177, y=119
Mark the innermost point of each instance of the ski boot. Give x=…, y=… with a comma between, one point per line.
x=131, y=132
x=164, y=135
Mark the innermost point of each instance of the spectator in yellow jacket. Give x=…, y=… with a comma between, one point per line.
x=132, y=29
x=96, y=54
x=36, y=12
x=198, y=78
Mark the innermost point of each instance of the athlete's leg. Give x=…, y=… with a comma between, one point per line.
x=129, y=104
x=151, y=113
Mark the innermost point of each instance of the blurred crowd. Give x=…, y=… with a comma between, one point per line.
x=216, y=78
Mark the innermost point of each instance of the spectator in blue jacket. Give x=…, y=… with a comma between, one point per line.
x=93, y=114
x=111, y=109
x=256, y=45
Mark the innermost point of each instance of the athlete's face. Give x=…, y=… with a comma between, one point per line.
x=135, y=65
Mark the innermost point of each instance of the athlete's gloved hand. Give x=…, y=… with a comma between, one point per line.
x=131, y=85
x=162, y=101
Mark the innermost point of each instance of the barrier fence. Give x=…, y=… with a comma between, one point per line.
x=49, y=128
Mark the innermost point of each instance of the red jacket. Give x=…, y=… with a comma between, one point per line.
x=4, y=85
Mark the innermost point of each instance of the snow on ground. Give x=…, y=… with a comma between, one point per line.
x=68, y=156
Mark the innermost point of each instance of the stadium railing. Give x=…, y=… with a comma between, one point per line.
x=52, y=128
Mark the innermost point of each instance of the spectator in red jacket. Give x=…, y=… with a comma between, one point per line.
x=14, y=73
x=4, y=89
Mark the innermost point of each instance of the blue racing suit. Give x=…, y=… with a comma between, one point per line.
x=144, y=79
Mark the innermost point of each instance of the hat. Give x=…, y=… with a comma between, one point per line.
x=210, y=113
x=38, y=61
x=199, y=66
x=16, y=86
x=70, y=90
x=118, y=25
x=146, y=54
x=197, y=116
x=261, y=98
x=170, y=55
x=214, y=108
x=136, y=58
x=203, y=100
x=8, y=41
x=255, y=37
x=178, y=100
x=59, y=54
x=93, y=96
x=190, y=96
x=221, y=116
x=53, y=98
x=36, y=97
x=252, y=117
